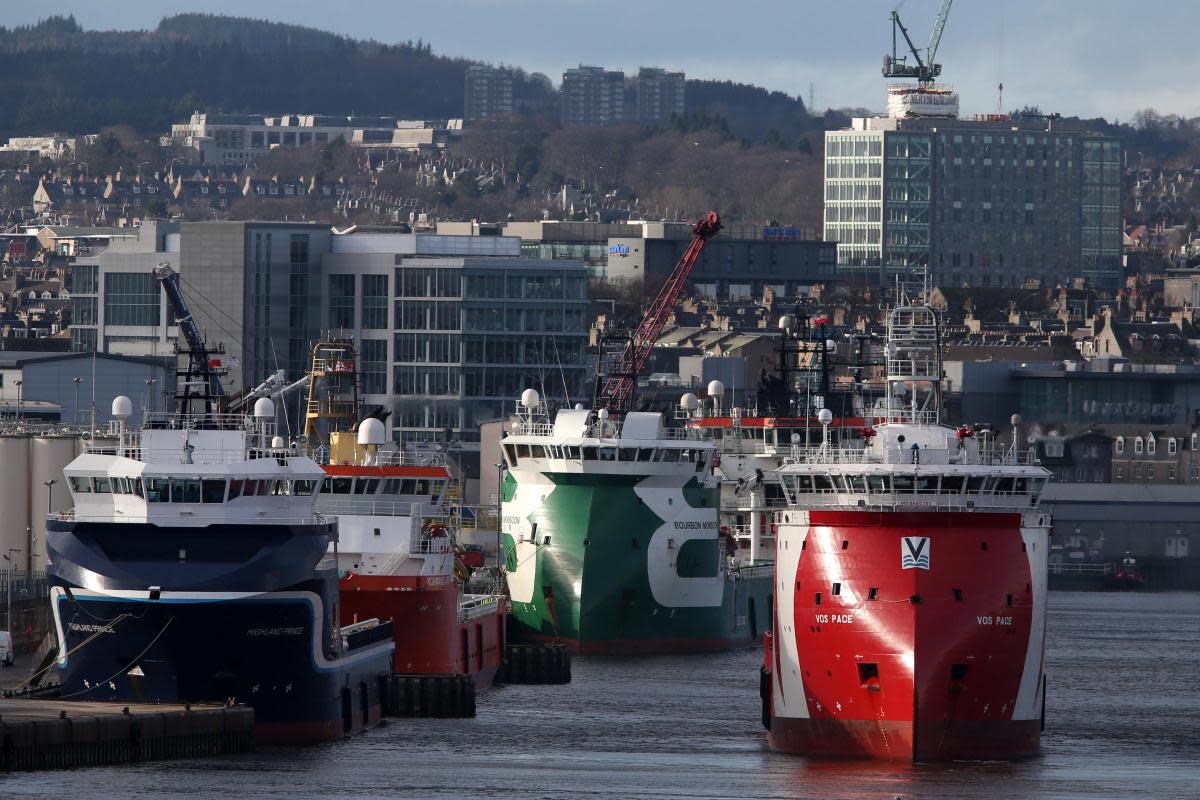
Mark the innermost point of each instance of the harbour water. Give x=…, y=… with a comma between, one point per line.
x=1123, y=722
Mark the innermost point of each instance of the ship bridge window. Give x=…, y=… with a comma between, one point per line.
x=522, y=451
x=185, y=491
x=804, y=483
x=366, y=485
x=408, y=487
x=212, y=491
x=341, y=485
x=990, y=486
x=926, y=484
x=903, y=483
x=436, y=487
x=135, y=486
x=390, y=486
x=81, y=485
x=822, y=484
x=421, y=488
x=976, y=484
x=590, y=453
x=879, y=484
x=158, y=490
x=953, y=484
x=608, y=454
x=235, y=487
x=510, y=453
x=856, y=483
x=537, y=451
x=103, y=486
x=1005, y=486
x=629, y=454
x=573, y=451
x=646, y=454
x=669, y=455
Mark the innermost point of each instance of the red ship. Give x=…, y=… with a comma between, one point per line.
x=911, y=583
x=397, y=520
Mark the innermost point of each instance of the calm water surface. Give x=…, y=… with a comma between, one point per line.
x=1123, y=722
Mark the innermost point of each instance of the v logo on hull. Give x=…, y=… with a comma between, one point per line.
x=914, y=552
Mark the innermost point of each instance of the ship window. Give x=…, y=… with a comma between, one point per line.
x=303, y=487
x=266, y=488
x=839, y=483
x=629, y=454
x=574, y=451
x=804, y=483
x=391, y=486
x=816, y=598
x=1021, y=485
x=436, y=487
x=608, y=454
x=340, y=485
x=878, y=484
x=250, y=488
x=537, y=451
x=589, y=453
x=510, y=453
x=670, y=454
x=81, y=485
x=926, y=484
x=990, y=485
x=103, y=486
x=137, y=486
x=366, y=485
x=522, y=451
x=953, y=484
x=421, y=488
x=1004, y=486
x=873, y=593
x=212, y=491
x=235, y=487
x=857, y=483
x=822, y=483
x=158, y=490
x=903, y=483
x=646, y=454
x=409, y=487
x=836, y=590
x=118, y=486
x=185, y=491
x=975, y=484
x=281, y=488
x=326, y=485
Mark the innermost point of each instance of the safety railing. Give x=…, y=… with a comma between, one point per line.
x=478, y=606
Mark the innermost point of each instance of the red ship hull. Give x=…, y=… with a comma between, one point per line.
x=430, y=638
x=939, y=659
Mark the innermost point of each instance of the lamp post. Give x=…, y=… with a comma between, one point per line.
x=150, y=393
x=11, y=565
x=19, y=382
x=75, y=415
x=49, y=510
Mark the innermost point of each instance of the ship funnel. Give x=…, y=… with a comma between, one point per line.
x=264, y=408
x=122, y=407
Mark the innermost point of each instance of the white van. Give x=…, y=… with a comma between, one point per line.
x=6, y=649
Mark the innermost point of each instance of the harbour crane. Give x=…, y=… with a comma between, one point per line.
x=614, y=391
x=201, y=382
x=926, y=69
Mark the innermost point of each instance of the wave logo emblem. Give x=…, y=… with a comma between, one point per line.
x=914, y=552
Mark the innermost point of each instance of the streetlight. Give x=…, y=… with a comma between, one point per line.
x=150, y=393
x=19, y=400
x=11, y=566
x=75, y=416
x=49, y=494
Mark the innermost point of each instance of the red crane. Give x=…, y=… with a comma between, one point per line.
x=617, y=391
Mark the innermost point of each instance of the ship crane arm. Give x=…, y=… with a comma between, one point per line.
x=169, y=279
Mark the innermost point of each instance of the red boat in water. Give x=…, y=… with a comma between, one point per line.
x=396, y=525
x=1128, y=576
x=910, y=583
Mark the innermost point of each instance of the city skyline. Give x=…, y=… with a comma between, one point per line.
x=1044, y=55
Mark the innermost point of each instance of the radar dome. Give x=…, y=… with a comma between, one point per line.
x=530, y=398
x=795, y=438
x=122, y=407
x=602, y=414
x=825, y=417
x=278, y=443
x=579, y=406
x=787, y=322
x=689, y=402
x=264, y=408
x=370, y=432
x=716, y=389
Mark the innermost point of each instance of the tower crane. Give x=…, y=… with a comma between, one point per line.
x=926, y=69
x=614, y=391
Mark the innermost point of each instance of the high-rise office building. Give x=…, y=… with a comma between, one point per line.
x=489, y=92
x=592, y=96
x=659, y=94
x=988, y=202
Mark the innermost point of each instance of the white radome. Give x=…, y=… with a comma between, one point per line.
x=370, y=432
x=825, y=417
x=264, y=408
x=716, y=389
x=689, y=402
x=530, y=398
x=122, y=407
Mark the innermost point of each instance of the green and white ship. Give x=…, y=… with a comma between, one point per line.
x=612, y=537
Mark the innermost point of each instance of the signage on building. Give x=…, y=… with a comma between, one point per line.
x=789, y=232
x=618, y=249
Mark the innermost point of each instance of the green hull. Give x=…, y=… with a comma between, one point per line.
x=610, y=563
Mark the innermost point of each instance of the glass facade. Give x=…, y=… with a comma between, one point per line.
x=373, y=366
x=907, y=192
x=1100, y=238
x=83, y=340
x=341, y=301
x=468, y=340
x=854, y=197
x=298, y=267
x=85, y=279
x=131, y=298
x=374, y=302
x=83, y=311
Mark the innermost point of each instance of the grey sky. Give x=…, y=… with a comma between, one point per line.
x=1086, y=57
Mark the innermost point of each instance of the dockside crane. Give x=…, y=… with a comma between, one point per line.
x=926, y=69
x=201, y=382
x=614, y=391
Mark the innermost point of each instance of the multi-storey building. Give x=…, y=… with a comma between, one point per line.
x=660, y=94
x=985, y=202
x=489, y=92
x=592, y=96
x=238, y=138
x=117, y=305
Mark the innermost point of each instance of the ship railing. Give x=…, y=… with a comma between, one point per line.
x=224, y=422
x=1068, y=568
x=478, y=606
x=929, y=502
x=753, y=571
x=375, y=508
x=391, y=458
x=160, y=515
x=829, y=455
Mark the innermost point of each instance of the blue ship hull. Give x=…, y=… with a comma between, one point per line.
x=204, y=631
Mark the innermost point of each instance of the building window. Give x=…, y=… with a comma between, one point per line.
x=374, y=302
x=1137, y=470
x=1120, y=472
x=1138, y=446
x=83, y=311
x=1171, y=472
x=131, y=298
x=1172, y=446
x=373, y=366
x=85, y=280
x=341, y=301
x=83, y=340
x=1149, y=472
x=1151, y=445
x=1119, y=444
